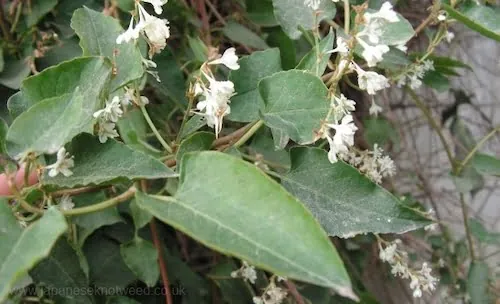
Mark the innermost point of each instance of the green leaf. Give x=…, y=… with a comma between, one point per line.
x=310, y=61
x=107, y=269
x=397, y=33
x=61, y=271
x=477, y=283
x=98, y=35
x=59, y=80
x=92, y=221
x=483, y=235
x=198, y=48
x=380, y=131
x=294, y=14
x=141, y=217
x=486, y=164
x=14, y=72
x=436, y=81
x=3, y=134
x=277, y=38
x=21, y=253
x=344, y=201
x=263, y=144
x=481, y=19
x=68, y=102
x=231, y=206
x=394, y=60
x=246, y=104
x=200, y=141
x=173, y=84
x=192, y=125
x=133, y=130
x=241, y=34
x=141, y=257
x=295, y=103
x=182, y=275
x=261, y=12
x=37, y=10
x=96, y=163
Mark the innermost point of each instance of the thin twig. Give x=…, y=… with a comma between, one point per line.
x=161, y=261
x=294, y=292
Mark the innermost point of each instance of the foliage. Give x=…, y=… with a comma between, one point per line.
x=217, y=157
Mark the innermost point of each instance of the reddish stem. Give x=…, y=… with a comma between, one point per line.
x=161, y=261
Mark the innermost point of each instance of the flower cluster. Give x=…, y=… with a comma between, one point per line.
x=373, y=164
x=155, y=30
x=215, y=95
x=414, y=77
x=246, y=272
x=66, y=203
x=106, y=119
x=272, y=295
x=420, y=280
x=62, y=165
x=369, y=37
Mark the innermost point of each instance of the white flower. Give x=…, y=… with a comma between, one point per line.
x=229, y=59
x=399, y=269
x=66, y=203
x=155, y=29
x=441, y=16
x=197, y=89
x=373, y=54
x=387, y=254
x=428, y=65
x=371, y=81
x=441, y=263
x=157, y=4
x=386, y=12
x=341, y=48
x=314, y=4
x=106, y=130
x=130, y=34
x=449, y=36
x=431, y=227
x=375, y=109
x=112, y=111
x=387, y=167
x=62, y=165
x=402, y=47
x=273, y=295
x=342, y=139
x=246, y=272
x=149, y=64
x=343, y=105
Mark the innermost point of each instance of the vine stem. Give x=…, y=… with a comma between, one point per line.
x=465, y=216
x=347, y=16
x=248, y=134
x=433, y=124
x=155, y=130
x=474, y=150
x=102, y=205
x=294, y=292
x=161, y=261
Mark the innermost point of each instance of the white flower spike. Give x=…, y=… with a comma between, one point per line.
x=62, y=165
x=66, y=203
x=386, y=12
x=229, y=59
x=112, y=111
x=343, y=138
x=106, y=130
x=341, y=48
x=371, y=81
